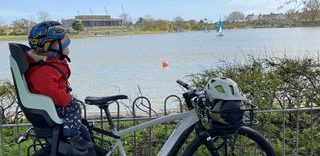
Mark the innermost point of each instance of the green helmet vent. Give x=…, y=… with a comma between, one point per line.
x=220, y=89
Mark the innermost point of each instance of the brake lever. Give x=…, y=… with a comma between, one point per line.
x=23, y=138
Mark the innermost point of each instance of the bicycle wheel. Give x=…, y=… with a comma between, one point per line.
x=245, y=141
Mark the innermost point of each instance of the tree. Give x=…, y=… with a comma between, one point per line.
x=278, y=83
x=235, y=16
x=148, y=18
x=140, y=22
x=21, y=26
x=77, y=26
x=8, y=102
x=125, y=19
x=163, y=25
x=179, y=21
x=4, y=30
x=310, y=8
x=188, y=26
x=291, y=14
x=146, y=23
x=43, y=16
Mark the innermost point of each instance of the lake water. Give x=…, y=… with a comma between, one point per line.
x=104, y=66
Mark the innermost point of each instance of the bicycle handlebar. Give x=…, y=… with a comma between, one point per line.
x=192, y=92
x=185, y=85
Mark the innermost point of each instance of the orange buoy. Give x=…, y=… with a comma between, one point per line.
x=165, y=64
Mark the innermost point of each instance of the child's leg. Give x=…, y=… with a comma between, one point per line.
x=72, y=125
x=72, y=118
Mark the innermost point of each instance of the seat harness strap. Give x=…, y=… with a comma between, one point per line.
x=42, y=63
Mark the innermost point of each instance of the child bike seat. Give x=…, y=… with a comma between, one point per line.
x=38, y=109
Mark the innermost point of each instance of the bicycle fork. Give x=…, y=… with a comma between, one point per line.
x=206, y=139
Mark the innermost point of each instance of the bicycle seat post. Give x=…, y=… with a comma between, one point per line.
x=109, y=117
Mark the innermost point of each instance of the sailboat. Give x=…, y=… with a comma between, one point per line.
x=219, y=28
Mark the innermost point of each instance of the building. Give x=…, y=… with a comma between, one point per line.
x=94, y=21
x=67, y=22
x=275, y=16
x=252, y=17
x=271, y=16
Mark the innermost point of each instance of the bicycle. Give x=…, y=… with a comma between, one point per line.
x=211, y=138
x=219, y=140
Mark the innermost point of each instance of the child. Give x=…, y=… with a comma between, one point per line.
x=48, y=75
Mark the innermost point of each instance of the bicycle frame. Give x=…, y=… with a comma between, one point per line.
x=187, y=120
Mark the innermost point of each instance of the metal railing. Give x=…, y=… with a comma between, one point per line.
x=302, y=120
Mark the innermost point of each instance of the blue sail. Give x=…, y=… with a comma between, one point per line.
x=219, y=26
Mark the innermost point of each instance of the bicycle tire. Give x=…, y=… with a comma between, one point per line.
x=197, y=146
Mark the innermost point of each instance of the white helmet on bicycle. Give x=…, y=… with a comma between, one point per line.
x=226, y=101
x=223, y=89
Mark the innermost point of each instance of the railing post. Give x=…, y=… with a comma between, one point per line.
x=84, y=108
x=283, y=128
x=118, y=115
x=118, y=120
x=312, y=122
x=270, y=102
x=165, y=108
x=150, y=131
x=298, y=128
x=18, y=128
x=1, y=136
x=134, y=121
x=101, y=125
x=165, y=114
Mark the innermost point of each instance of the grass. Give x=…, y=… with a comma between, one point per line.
x=12, y=37
x=93, y=33
x=159, y=134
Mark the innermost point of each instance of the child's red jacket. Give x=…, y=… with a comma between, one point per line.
x=47, y=80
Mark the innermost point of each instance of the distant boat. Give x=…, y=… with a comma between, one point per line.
x=219, y=28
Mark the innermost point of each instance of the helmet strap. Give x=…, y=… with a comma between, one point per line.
x=60, y=51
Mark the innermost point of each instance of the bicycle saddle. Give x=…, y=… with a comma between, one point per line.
x=103, y=100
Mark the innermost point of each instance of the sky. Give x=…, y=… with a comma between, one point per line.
x=158, y=9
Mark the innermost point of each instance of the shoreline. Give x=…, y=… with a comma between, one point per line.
x=125, y=32
x=91, y=34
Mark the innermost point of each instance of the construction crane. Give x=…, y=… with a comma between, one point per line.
x=124, y=16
